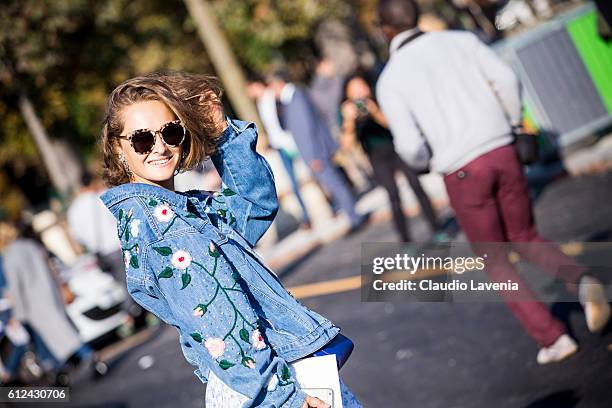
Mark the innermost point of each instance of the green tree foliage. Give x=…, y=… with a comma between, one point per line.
x=261, y=31
x=67, y=55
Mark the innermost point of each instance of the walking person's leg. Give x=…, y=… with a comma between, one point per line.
x=14, y=359
x=515, y=207
x=426, y=207
x=49, y=361
x=288, y=163
x=384, y=170
x=335, y=185
x=471, y=192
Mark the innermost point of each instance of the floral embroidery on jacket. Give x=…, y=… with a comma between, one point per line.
x=217, y=203
x=182, y=260
x=126, y=228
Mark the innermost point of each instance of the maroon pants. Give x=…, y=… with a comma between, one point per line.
x=490, y=198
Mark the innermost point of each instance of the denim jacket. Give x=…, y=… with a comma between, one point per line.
x=190, y=260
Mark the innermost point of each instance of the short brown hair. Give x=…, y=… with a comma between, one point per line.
x=399, y=14
x=192, y=98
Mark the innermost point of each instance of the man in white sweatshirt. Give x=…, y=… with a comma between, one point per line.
x=449, y=91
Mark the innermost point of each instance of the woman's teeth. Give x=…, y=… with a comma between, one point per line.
x=159, y=162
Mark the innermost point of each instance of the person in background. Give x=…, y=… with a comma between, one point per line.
x=278, y=138
x=37, y=302
x=95, y=229
x=299, y=117
x=457, y=93
x=362, y=120
x=326, y=92
x=8, y=371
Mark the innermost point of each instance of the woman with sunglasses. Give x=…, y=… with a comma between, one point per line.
x=189, y=256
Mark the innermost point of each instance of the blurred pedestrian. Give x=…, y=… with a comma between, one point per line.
x=191, y=261
x=298, y=116
x=326, y=92
x=278, y=139
x=455, y=92
x=37, y=301
x=95, y=229
x=14, y=331
x=362, y=120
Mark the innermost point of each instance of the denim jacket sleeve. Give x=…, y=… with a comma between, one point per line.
x=249, y=192
x=201, y=296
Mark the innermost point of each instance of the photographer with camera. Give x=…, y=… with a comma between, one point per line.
x=363, y=121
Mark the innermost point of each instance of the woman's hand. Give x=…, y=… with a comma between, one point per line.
x=312, y=402
x=349, y=111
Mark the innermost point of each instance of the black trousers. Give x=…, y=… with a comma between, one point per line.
x=385, y=163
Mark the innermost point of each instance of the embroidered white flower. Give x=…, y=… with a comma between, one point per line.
x=215, y=346
x=257, y=340
x=163, y=213
x=181, y=259
x=127, y=256
x=134, y=228
x=199, y=311
x=273, y=383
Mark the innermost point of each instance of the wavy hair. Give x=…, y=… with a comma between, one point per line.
x=193, y=99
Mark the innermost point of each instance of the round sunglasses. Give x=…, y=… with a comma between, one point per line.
x=143, y=140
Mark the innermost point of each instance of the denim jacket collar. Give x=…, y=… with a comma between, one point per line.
x=125, y=191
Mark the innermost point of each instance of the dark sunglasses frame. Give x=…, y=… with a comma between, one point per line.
x=130, y=135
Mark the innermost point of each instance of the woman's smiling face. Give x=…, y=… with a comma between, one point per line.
x=156, y=167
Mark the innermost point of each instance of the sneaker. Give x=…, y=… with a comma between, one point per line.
x=593, y=299
x=564, y=347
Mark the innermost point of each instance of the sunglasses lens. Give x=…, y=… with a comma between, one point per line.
x=173, y=134
x=143, y=141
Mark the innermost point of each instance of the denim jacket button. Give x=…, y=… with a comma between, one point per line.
x=221, y=236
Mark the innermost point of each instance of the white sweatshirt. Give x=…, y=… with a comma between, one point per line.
x=452, y=89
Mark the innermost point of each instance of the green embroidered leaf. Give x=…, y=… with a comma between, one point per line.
x=232, y=219
x=197, y=337
x=186, y=279
x=244, y=335
x=228, y=193
x=166, y=273
x=127, y=233
x=120, y=214
x=191, y=215
x=285, y=374
x=165, y=251
x=222, y=212
x=224, y=364
x=248, y=362
x=134, y=261
x=152, y=203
